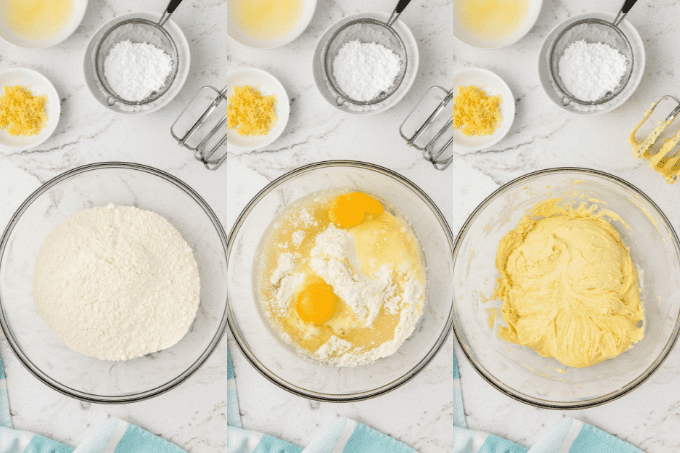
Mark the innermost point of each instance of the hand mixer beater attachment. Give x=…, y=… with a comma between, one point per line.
x=204, y=136
x=434, y=136
x=659, y=148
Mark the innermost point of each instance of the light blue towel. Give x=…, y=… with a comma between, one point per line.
x=114, y=436
x=342, y=436
x=348, y=436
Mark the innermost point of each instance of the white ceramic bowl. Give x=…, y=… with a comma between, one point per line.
x=237, y=35
x=268, y=85
x=463, y=36
x=635, y=78
x=492, y=85
x=183, y=53
x=39, y=85
x=411, y=72
x=79, y=8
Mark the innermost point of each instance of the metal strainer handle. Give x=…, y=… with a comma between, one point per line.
x=172, y=6
x=628, y=4
x=401, y=6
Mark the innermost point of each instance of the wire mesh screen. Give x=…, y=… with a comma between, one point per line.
x=591, y=31
x=136, y=31
x=365, y=31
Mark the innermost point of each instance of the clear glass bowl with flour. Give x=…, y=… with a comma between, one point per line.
x=279, y=362
x=36, y=344
x=520, y=372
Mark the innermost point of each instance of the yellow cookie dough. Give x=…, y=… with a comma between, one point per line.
x=568, y=285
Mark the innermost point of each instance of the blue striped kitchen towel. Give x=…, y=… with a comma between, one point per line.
x=114, y=436
x=342, y=436
x=568, y=436
x=348, y=436
x=118, y=436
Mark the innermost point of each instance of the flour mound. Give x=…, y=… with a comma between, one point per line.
x=116, y=283
x=136, y=70
x=364, y=294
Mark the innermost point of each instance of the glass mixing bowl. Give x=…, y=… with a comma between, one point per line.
x=304, y=377
x=518, y=371
x=37, y=346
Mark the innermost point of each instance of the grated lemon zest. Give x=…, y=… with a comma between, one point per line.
x=475, y=113
x=251, y=113
x=22, y=113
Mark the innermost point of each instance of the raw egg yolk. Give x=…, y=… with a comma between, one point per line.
x=316, y=303
x=348, y=210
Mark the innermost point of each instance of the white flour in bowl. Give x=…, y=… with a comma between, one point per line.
x=364, y=70
x=334, y=259
x=337, y=292
x=136, y=70
x=116, y=283
x=365, y=294
x=590, y=70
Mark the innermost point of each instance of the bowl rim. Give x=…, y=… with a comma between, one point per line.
x=52, y=98
x=533, y=20
x=177, y=85
x=128, y=397
x=410, y=42
x=72, y=24
x=293, y=36
x=543, y=62
x=327, y=397
x=568, y=405
x=282, y=99
x=506, y=122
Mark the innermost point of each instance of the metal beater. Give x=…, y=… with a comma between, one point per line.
x=194, y=136
x=434, y=137
x=659, y=148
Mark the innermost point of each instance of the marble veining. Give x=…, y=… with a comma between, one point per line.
x=420, y=413
x=192, y=415
x=542, y=136
x=545, y=136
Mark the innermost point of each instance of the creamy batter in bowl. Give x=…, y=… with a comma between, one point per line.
x=521, y=372
x=280, y=363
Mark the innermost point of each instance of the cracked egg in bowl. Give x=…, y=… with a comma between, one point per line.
x=339, y=279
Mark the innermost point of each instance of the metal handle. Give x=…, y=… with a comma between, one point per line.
x=172, y=6
x=676, y=111
x=401, y=6
x=627, y=5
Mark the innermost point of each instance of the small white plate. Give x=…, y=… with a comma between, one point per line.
x=533, y=11
x=268, y=85
x=636, y=77
x=237, y=35
x=412, y=54
x=183, y=52
x=39, y=85
x=79, y=8
x=492, y=85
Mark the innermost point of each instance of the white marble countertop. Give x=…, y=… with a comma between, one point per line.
x=542, y=136
x=193, y=415
x=419, y=413
x=545, y=136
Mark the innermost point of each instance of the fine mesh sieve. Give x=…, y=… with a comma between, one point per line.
x=138, y=30
x=592, y=30
x=366, y=30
